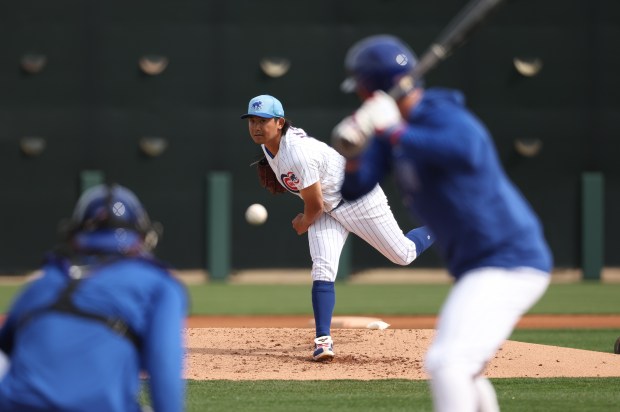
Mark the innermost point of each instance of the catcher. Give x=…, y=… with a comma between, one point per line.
x=312, y=170
x=103, y=313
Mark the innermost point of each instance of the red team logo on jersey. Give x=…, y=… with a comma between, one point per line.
x=290, y=181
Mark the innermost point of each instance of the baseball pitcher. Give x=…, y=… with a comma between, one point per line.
x=312, y=170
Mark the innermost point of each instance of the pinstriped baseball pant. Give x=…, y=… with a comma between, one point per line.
x=370, y=218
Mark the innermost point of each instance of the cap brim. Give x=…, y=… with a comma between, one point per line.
x=263, y=115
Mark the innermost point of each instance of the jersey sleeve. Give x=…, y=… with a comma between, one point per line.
x=7, y=334
x=305, y=164
x=33, y=295
x=163, y=347
x=374, y=165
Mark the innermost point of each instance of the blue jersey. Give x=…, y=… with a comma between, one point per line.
x=451, y=179
x=60, y=361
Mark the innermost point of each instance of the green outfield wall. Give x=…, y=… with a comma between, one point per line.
x=92, y=105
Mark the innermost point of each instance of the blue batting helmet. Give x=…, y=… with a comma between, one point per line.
x=377, y=63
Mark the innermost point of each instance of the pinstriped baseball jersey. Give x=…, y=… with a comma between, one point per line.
x=302, y=161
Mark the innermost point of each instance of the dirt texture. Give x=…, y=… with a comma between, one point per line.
x=254, y=348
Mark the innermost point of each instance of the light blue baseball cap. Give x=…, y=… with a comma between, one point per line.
x=264, y=106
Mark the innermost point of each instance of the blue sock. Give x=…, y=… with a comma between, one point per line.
x=323, y=302
x=422, y=238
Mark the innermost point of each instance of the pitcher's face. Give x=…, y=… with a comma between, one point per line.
x=264, y=130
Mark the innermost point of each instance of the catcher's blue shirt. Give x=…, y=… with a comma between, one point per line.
x=65, y=362
x=451, y=180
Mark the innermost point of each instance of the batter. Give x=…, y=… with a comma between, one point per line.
x=451, y=179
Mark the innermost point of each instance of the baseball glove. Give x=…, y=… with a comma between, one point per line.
x=267, y=178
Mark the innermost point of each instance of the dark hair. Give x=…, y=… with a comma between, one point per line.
x=287, y=124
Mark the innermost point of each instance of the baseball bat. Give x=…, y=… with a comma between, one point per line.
x=456, y=33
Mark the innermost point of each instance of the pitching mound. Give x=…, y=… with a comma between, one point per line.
x=284, y=353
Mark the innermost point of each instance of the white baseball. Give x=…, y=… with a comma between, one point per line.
x=256, y=214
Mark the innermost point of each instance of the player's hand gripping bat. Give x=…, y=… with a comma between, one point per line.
x=350, y=136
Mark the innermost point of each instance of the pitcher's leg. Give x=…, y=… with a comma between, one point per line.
x=326, y=239
x=371, y=218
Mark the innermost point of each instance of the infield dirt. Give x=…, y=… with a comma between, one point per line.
x=250, y=349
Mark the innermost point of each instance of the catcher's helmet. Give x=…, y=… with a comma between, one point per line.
x=377, y=63
x=111, y=207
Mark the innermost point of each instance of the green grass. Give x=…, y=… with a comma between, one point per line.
x=514, y=395
x=401, y=299
x=222, y=299
x=407, y=299
x=342, y=395
x=600, y=340
x=580, y=298
x=558, y=394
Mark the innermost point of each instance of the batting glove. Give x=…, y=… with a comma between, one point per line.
x=378, y=114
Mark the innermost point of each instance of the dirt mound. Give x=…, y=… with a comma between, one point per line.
x=284, y=353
